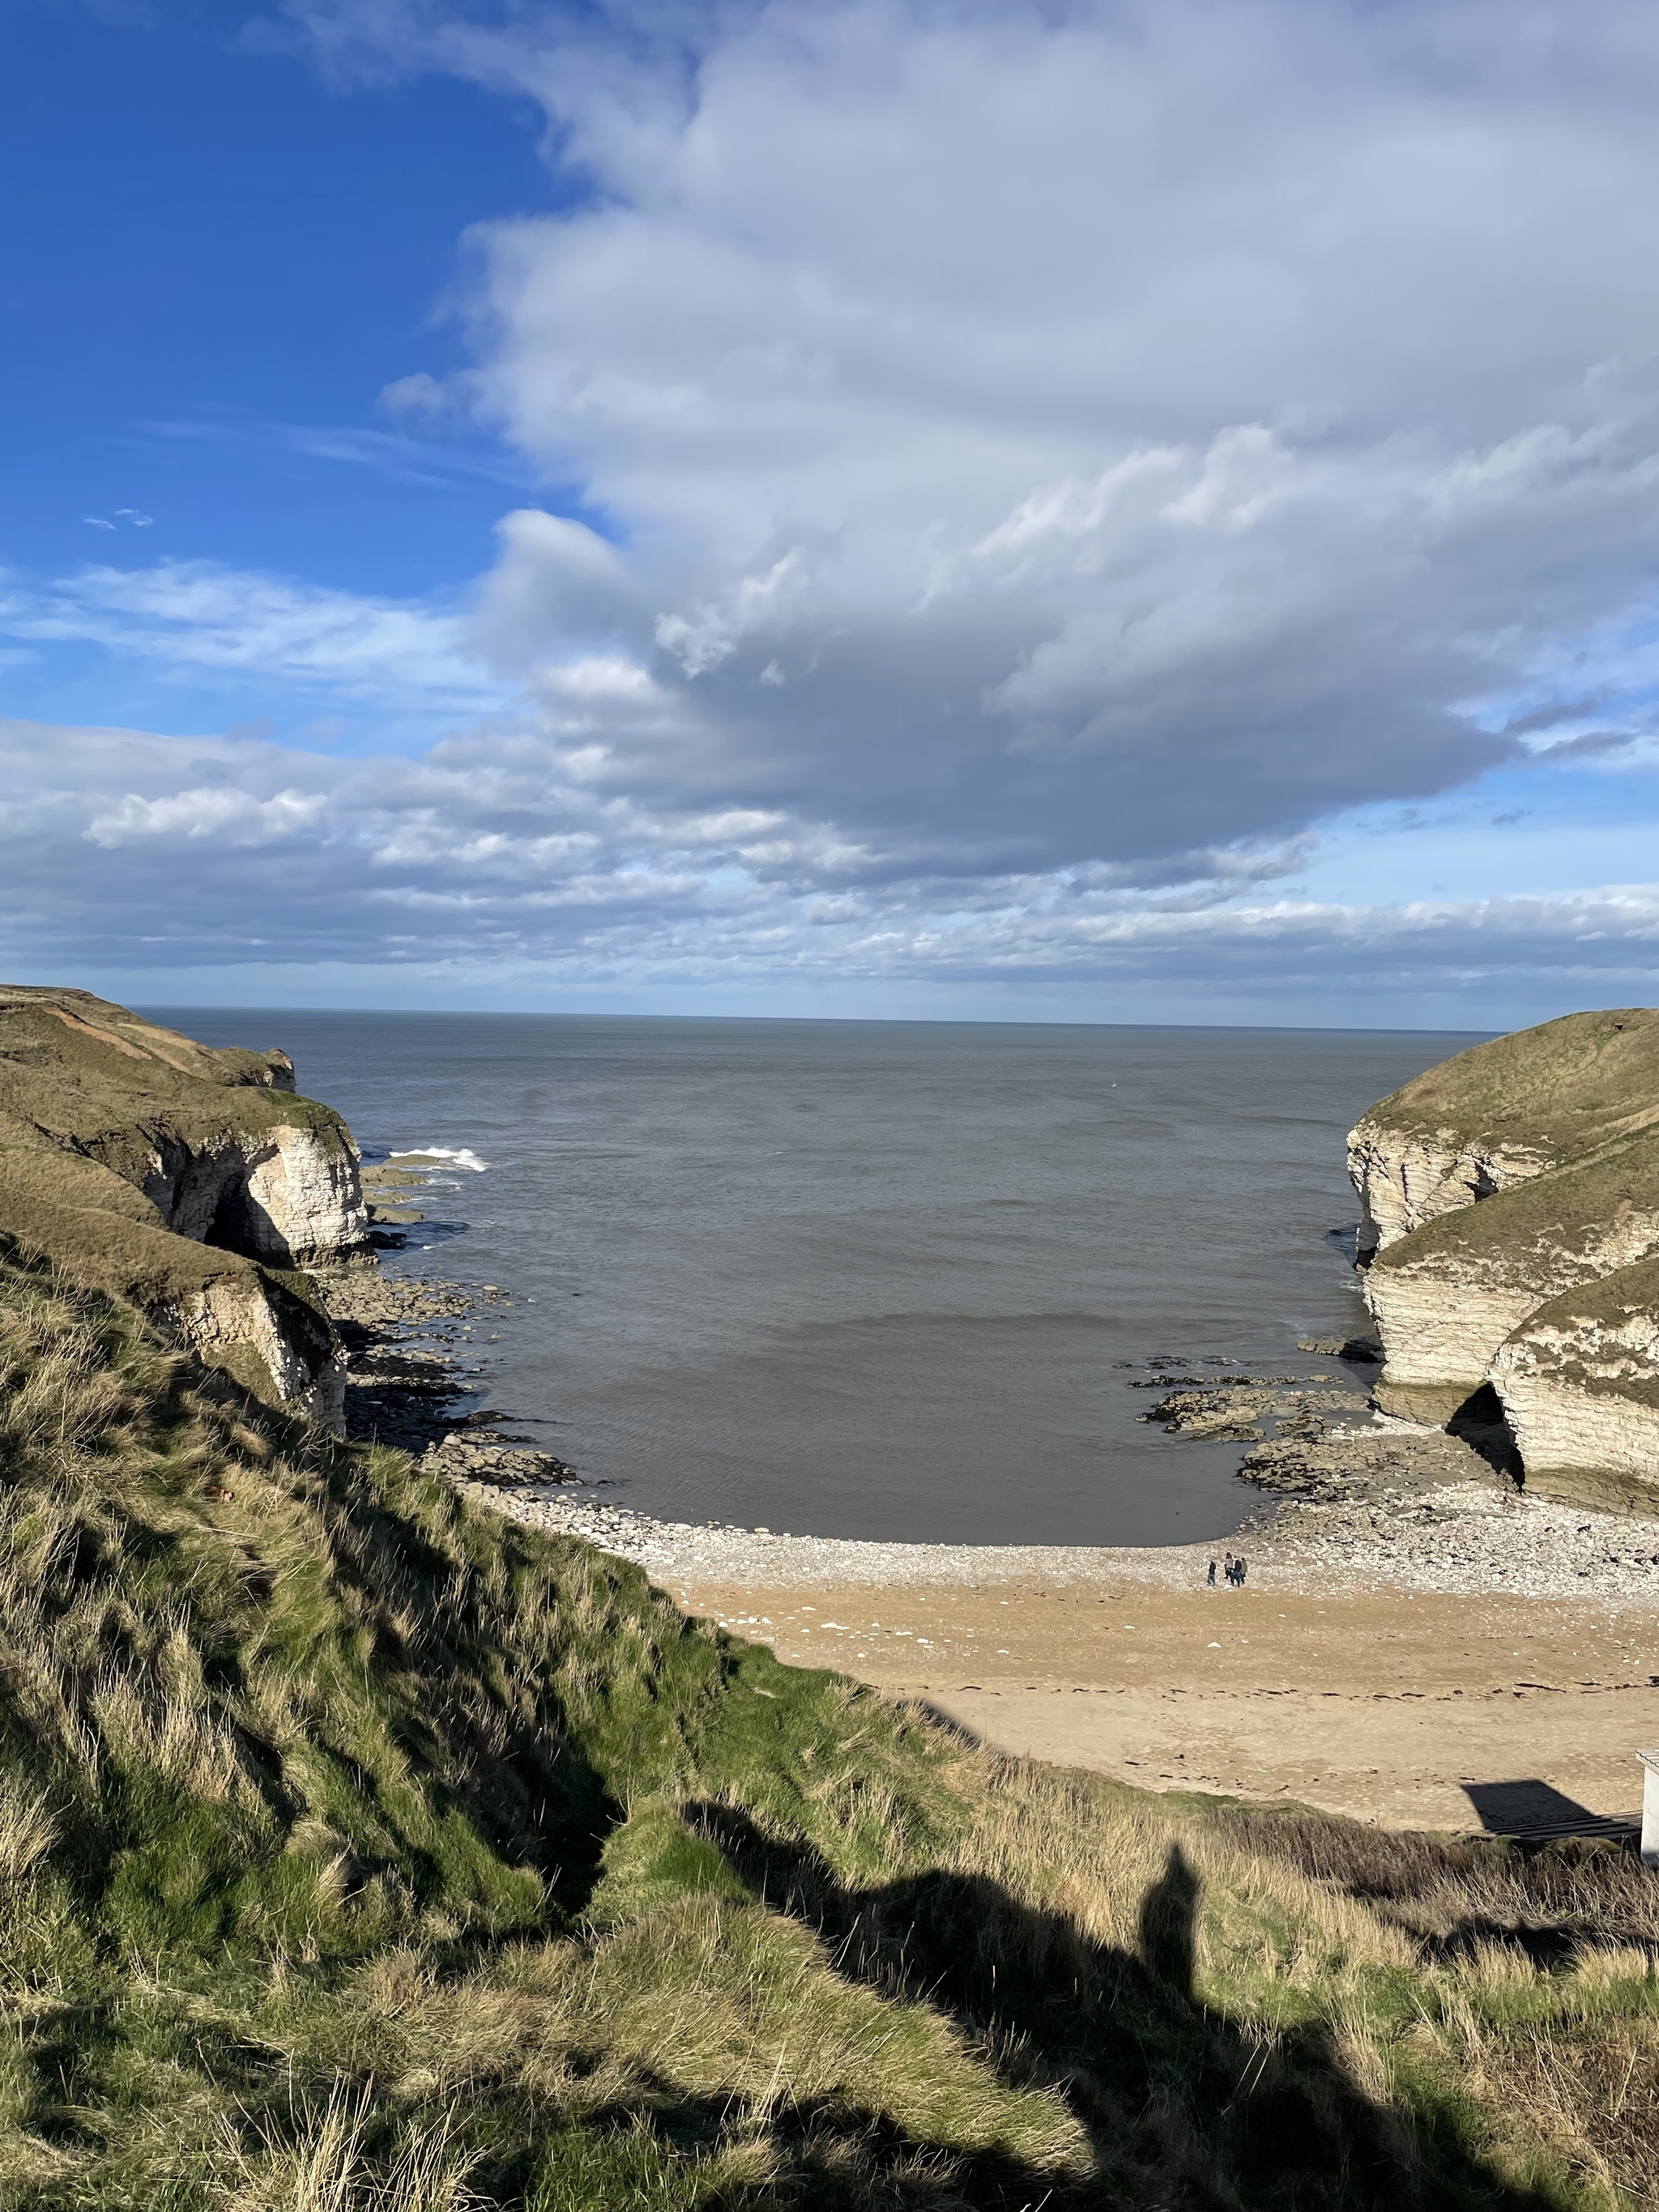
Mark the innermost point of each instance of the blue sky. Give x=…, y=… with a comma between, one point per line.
x=219, y=262
x=1098, y=512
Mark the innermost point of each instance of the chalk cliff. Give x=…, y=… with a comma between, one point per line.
x=1507, y=1194
x=1500, y=1114
x=196, y=1182
x=1445, y=1296
x=1579, y=1380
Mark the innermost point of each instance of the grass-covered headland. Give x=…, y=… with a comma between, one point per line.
x=363, y=1852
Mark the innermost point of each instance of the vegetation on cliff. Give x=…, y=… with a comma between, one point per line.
x=182, y=1178
x=1559, y=1090
x=360, y=1852
x=1514, y=1176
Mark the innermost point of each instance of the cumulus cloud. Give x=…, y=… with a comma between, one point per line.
x=227, y=817
x=1042, y=436
x=1035, y=466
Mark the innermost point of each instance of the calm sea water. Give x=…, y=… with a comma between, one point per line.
x=872, y=1279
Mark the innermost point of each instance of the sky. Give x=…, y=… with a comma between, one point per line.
x=1095, y=512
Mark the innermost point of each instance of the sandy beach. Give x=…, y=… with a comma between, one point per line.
x=1417, y=1645
x=1495, y=1665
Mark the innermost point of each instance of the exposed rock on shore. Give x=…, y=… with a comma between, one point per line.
x=1511, y=1201
x=401, y=1391
x=194, y=1182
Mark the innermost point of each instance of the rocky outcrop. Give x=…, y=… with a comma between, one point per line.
x=287, y=1192
x=1510, y=1245
x=195, y=1183
x=1406, y=1179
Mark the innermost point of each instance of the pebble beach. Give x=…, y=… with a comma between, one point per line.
x=1465, y=1539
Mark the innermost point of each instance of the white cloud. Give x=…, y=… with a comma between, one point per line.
x=418, y=394
x=229, y=816
x=1032, y=438
x=198, y=618
x=1038, y=466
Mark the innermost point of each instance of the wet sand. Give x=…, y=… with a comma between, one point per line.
x=1410, y=1711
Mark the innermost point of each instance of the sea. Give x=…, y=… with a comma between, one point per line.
x=882, y=1280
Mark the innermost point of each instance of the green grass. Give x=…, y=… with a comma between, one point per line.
x=1559, y=1088
x=360, y=1852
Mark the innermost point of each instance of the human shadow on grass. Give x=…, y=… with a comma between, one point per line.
x=1177, y=2098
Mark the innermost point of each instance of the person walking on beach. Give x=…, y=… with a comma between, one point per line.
x=1212, y=1574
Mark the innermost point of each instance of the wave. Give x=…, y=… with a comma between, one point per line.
x=452, y=1156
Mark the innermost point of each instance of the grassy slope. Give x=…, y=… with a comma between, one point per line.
x=358, y=1849
x=1562, y=1087
x=1539, y=1231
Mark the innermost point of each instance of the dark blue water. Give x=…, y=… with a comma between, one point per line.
x=874, y=1279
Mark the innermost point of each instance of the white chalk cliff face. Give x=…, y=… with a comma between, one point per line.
x=1579, y=1381
x=1447, y=1295
x=192, y=1182
x=1497, y=1189
x=271, y=1343
x=1406, y=1179
x=289, y=1193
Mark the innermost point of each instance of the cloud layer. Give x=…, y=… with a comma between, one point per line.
x=1040, y=465
x=496, y=851
x=1043, y=437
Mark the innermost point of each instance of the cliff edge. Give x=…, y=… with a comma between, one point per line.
x=195, y=1183
x=1510, y=1248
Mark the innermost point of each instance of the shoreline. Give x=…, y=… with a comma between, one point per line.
x=1362, y=1507
x=1418, y=1643
x=1473, y=1541
x=1346, y=1507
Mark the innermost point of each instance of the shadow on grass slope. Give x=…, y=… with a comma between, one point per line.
x=360, y=1852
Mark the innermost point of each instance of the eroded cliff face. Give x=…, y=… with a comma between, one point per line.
x=1500, y=1114
x=287, y=1193
x=192, y=1181
x=1446, y=1296
x=1579, y=1380
x=1406, y=1179
x=271, y=1337
x=1499, y=1189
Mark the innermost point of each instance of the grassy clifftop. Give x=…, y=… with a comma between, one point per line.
x=1591, y=1214
x=142, y=1164
x=80, y=1075
x=363, y=1852
x=1559, y=1088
